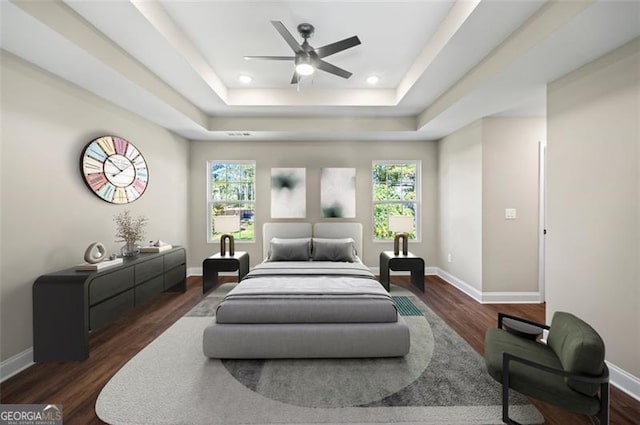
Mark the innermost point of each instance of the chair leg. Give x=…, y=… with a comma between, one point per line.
x=505, y=397
x=603, y=414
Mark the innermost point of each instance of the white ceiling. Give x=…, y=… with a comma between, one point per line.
x=442, y=64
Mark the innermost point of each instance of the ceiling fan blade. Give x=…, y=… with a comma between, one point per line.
x=332, y=69
x=284, y=32
x=338, y=46
x=295, y=78
x=272, y=58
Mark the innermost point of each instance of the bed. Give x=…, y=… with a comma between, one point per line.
x=311, y=298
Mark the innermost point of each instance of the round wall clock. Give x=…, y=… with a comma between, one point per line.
x=114, y=169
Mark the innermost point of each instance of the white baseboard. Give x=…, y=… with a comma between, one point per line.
x=460, y=284
x=624, y=381
x=16, y=364
x=194, y=271
x=510, y=298
x=489, y=297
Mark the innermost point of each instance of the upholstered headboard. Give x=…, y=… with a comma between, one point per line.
x=340, y=230
x=304, y=230
x=283, y=230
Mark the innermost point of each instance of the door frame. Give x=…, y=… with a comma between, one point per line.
x=542, y=213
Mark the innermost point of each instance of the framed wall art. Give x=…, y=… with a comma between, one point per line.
x=338, y=192
x=288, y=193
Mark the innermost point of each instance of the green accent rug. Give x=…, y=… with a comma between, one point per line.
x=406, y=307
x=441, y=381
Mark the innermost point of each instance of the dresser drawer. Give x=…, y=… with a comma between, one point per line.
x=174, y=259
x=106, y=312
x=107, y=285
x=175, y=276
x=149, y=289
x=148, y=269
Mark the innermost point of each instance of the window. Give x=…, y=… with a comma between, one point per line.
x=231, y=190
x=396, y=191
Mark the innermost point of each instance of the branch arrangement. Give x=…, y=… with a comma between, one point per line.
x=128, y=228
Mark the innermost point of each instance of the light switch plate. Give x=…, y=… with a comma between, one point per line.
x=510, y=213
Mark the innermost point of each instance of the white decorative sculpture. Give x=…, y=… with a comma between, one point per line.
x=95, y=253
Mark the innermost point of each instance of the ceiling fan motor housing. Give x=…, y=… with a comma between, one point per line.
x=305, y=30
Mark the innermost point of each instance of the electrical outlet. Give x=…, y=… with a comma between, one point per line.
x=449, y=257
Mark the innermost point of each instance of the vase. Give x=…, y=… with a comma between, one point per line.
x=130, y=249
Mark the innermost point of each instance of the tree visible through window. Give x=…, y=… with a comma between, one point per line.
x=231, y=191
x=396, y=191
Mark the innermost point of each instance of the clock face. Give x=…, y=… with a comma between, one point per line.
x=114, y=170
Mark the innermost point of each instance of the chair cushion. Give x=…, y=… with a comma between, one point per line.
x=530, y=381
x=579, y=348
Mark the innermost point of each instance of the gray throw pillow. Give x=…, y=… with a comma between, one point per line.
x=334, y=250
x=294, y=249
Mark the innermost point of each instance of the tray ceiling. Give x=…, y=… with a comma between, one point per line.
x=441, y=64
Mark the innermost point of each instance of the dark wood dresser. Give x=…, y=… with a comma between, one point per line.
x=68, y=304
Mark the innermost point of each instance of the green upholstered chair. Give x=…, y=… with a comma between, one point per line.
x=568, y=371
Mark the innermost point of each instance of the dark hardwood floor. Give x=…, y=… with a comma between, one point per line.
x=76, y=385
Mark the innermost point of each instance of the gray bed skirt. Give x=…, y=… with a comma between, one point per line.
x=306, y=340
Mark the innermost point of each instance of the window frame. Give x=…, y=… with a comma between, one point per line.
x=210, y=201
x=417, y=201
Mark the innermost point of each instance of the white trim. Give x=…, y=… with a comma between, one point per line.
x=417, y=201
x=210, y=201
x=194, y=271
x=510, y=298
x=16, y=364
x=431, y=271
x=488, y=297
x=624, y=381
x=460, y=285
x=542, y=214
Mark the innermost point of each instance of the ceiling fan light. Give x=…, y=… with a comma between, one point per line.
x=304, y=69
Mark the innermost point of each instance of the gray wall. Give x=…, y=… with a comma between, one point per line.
x=593, y=202
x=313, y=156
x=460, y=206
x=485, y=167
x=49, y=216
x=510, y=180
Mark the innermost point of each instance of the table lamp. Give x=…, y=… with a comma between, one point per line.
x=401, y=224
x=226, y=224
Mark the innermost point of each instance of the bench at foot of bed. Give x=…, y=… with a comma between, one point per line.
x=306, y=340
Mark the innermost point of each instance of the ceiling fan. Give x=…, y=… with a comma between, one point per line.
x=307, y=58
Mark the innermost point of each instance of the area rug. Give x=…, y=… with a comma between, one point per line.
x=441, y=381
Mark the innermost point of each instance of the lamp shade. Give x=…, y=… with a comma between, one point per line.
x=226, y=223
x=400, y=223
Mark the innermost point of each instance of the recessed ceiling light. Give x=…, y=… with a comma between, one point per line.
x=245, y=79
x=373, y=79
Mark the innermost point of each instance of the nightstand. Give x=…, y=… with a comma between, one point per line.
x=409, y=262
x=223, y=263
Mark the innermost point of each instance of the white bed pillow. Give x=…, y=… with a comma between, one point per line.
x=325, y=249
x=290, y=249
